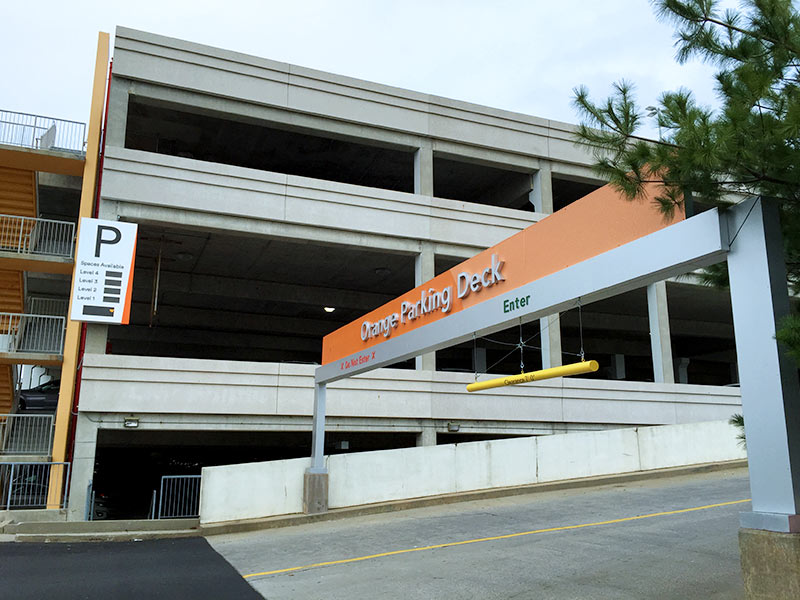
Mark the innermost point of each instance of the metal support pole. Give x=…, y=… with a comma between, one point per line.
x=315, y=480
x=768, y=377
x=318, y=431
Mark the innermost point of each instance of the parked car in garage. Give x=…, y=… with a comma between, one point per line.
x=43, y=397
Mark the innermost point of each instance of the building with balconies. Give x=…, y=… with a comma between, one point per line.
x=41, y=168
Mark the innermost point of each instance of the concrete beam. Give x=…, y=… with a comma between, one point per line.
x=30, y=358
x=163, y=424
x=576, y=172
x=491, y=157
x=239, y=110
x=159, y=215
x=217, y=76
x=11, y=261
x=50, y=161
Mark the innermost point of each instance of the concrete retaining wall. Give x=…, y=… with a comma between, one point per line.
x=266, y=489
x=253, y=490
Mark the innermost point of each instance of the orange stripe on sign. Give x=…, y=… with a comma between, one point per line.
x=126, y=314
x=595, y=224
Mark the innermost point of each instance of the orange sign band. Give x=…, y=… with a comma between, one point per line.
x=598, y=222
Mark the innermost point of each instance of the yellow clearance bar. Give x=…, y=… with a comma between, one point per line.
x=585, y=366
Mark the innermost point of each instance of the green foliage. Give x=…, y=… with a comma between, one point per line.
x=789, y=335
x=715, y=276
x=750, y=145
x=737, y=420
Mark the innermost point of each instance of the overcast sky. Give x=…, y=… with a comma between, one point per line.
x=525, y=56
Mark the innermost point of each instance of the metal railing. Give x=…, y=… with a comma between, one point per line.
x=26, y=434
x=26, y=485
x=55, y=307
x=31, y=333
x=41, y=133
x=44, y=237
x=179, y=496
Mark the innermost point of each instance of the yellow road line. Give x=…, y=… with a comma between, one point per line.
x=493, y=538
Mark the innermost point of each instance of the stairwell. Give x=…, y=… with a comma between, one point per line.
x=17, y=192
x=17, y=197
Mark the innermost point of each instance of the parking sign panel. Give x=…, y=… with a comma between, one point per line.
x=102, y=285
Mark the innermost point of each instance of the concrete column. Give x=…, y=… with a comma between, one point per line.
x=768, y=376
x=551, y=341
x=479, y=360
x=96, y=338
x=107, y=210
x=424, y=270
x=683, y=370
x=660, y=338
x=427, y=437
x=423, y=169
x=82, y=470
x=618, y=366
x=117, y=112
x=542, y=194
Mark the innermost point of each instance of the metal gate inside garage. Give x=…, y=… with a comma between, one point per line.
x=178, y=497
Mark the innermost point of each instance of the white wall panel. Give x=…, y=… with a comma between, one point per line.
x=265, y=489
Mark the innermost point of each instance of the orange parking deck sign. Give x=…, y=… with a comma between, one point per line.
x=596, y=223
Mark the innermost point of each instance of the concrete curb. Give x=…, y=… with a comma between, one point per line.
x=106, y=536
x=99, y=527
x=82, y=531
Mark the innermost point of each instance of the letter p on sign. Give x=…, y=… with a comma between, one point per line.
x=113, y=237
